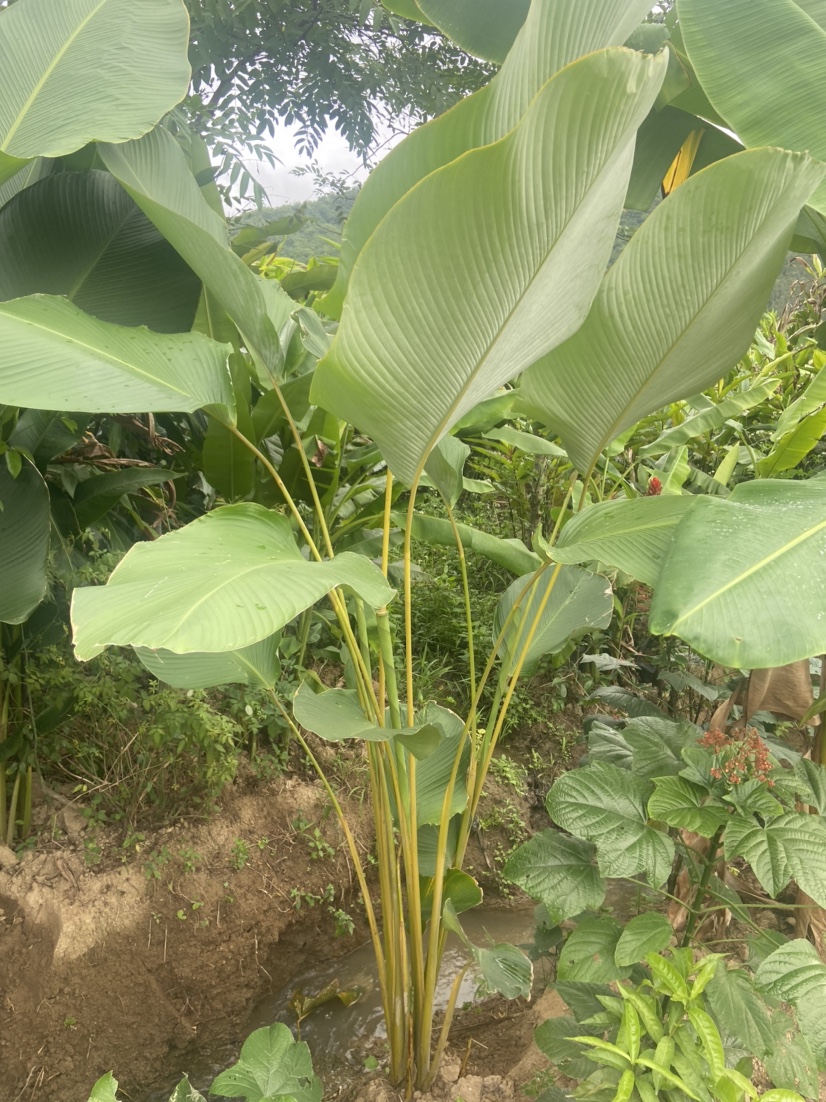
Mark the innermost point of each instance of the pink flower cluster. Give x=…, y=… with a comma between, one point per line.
x=738, y=759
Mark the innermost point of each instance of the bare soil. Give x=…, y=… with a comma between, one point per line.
x=142, y=965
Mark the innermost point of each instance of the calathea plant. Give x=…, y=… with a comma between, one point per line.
x=475, y=255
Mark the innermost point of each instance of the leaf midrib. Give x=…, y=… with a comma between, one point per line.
x=612, y=431
x=50, y=68
x=617, y=149
x=108, y=356
x=809, y=533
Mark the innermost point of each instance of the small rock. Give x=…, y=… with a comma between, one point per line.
x=74, y=821
x=8, y=858
x=468, y=1089
x=449, y=1073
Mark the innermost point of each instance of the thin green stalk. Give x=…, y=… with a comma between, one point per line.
x=444, y=1032
x=365, y=682
x=697, y=906
x=460, y=551
x=348, y=834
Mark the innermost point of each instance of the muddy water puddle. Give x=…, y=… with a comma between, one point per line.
x=340, y=1035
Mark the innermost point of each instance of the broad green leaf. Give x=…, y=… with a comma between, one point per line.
x=254, y=665
x=606, y=805
x=768, y=537
x=271, y=1065
x=433, y=773
x=229, y=579
x=812, y=398
x=648, y=933
x=709, y=419
x=558, y=871
x=24, y=541
x=790, y=846
x=185, y=1092
x=779, y=1095
x=577, y=602
x=683, y=804
x=105, y=1090
x=657, y=744
x=793, y=447
x=711, y=1041
x=797, y=975
x=10, y=167
x=659, y=140
x=487, y=414
x=525, y=441
x=79, y=234
x=554, y=1038
x=504, y=970
x=28, y=173
x=154, y=172
x=680, y=305
x=792, y=1064
x=510, y=553
x=812, y=777
x=556, y=33
x=486, y=28
x=88, y=70
x=588, y=953
x=540, y=233
x=336, y=715
x=612, y=696
x=458, y=888
x=444, y=468
x=740, y=1010
x=45, y=434
x=95, y=496
x=228, y=464
x=759, y=62
x=630, y=535
x=53, y=356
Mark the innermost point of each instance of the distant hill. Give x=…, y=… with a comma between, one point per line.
x=325, y=217
x=321, y=232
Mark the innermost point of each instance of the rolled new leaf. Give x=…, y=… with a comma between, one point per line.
x=225, y=581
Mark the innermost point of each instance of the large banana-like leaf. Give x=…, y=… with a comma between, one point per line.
x=254, y=665
x=35, y=170
x=79, y=234
x=76, y=71
x=744, y=578
x=336, y=715
x=707, y=420
x=555, y=33
x=226, y=581
x=453, y=296
x=681, y=304
x=760, y=63
x=486, y=28
x=154, y=171
x=633, y=536
x=579, y=602
x=24, y=541
x=510, y=553
x=53, y=356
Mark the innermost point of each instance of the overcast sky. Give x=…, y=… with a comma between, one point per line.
x=332, y=155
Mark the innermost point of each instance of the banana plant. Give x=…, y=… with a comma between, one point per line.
x=475, y=257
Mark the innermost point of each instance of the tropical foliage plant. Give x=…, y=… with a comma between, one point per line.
x=475, y=257
x=270, y=1067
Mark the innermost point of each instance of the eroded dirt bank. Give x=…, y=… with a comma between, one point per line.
x=141, y=959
